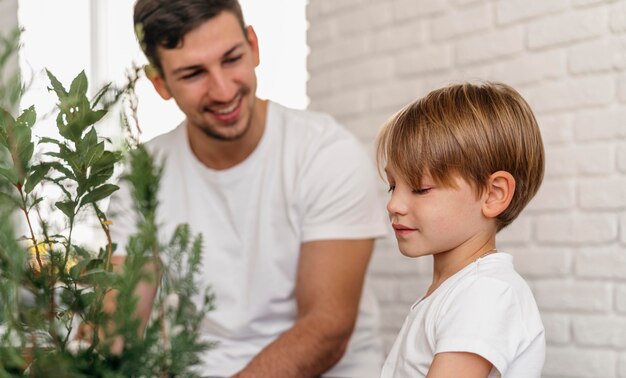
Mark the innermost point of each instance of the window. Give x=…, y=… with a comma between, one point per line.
x=67, y=36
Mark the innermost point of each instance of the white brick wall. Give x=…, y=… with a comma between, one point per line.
x=368, y=58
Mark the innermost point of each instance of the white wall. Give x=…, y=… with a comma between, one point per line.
x=8, y=22
x=567, y=57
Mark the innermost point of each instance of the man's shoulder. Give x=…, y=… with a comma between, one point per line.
x=166, y=142
x=307, y=122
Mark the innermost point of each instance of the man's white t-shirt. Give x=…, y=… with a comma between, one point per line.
x=308, y=179
x=486, y=308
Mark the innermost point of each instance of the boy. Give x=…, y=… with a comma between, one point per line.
x=462, y=163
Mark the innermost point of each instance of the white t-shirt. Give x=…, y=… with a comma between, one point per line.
x=308, y=179
x=486, y=308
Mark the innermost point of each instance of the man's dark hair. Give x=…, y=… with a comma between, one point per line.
x=164, y=23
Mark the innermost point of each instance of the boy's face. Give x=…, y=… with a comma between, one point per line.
x=211, y=77
x=434, y=219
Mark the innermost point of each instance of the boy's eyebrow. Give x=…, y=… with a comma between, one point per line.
x=197, y=66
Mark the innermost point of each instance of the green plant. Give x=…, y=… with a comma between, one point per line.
x=49, y=284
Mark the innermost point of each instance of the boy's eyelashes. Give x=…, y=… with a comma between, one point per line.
x=420, y=191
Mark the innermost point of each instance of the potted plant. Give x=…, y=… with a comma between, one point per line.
x=50, y=286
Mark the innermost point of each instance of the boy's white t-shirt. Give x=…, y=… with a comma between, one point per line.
x=486, y=308
x=308, y=179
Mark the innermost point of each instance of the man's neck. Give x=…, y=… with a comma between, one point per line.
x=220, y=154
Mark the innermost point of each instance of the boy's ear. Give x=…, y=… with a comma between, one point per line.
x=156, y=78
x=498, y=194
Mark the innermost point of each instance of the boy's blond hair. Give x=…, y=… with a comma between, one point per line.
x=472, y=130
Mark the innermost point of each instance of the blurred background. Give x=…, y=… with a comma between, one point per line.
x=362, y=60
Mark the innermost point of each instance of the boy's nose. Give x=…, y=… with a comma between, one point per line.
x=395, y=205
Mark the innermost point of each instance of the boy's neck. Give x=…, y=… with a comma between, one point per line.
x=447, y=264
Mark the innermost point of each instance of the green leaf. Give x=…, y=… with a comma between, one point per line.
x=10, y=174
x=49, y=140
x=10, y=198
x=27, y=118
x=38, y=173
x=38, y=200
x=99, y=193
x=100, y=94
x=56, y=86
x=93, y=154
x=79, y=85
x=67, y=207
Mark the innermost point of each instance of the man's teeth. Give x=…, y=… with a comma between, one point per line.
x=229, y=109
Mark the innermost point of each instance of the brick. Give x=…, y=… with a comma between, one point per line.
x=580, y=363
x=415, y=288
x=339, y=51
x=396, y=37
x=605, y=262
x=600, y=330
x=596, y=56
x=570, y=229
x=620, y=298
x=555, y=129
x=554, y=194
x=424, y=60
x=617, y=20
x=595, y=159
x=394, y=316
x=557, y=328
x=385, y=289
x=599, y=124
x=516, y=10
x=560, y=161
x=366, y=126
x=568, y=295
x=364, y=72
x=531, y=68
x=317, y=8
x=621, y=157
x=621, y=368
x=321, y=83
x=364, y=18
x=414, y=9
x=520, y=231
x=489, y=46
x=321, y=30
x=343, y=103
x=541, y=262
x=395, y=95
x=461, y=22
x=569, y=27
x=622, y=227
x=584, y=3
x=603, y=193
x=572, y=93
x=392, y=262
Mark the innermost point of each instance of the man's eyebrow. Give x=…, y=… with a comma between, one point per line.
x=197, y=66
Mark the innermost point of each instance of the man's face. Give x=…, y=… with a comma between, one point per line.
x=211, y=77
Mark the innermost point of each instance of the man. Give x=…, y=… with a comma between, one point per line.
x=285, y=200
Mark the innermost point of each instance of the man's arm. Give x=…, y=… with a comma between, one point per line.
x=146, y=292
x=328, y=290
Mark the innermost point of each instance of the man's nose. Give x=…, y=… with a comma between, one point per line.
x=221, y=87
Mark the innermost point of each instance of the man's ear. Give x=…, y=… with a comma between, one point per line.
x=253, y=41
x=498, y=193
x=156, y=78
